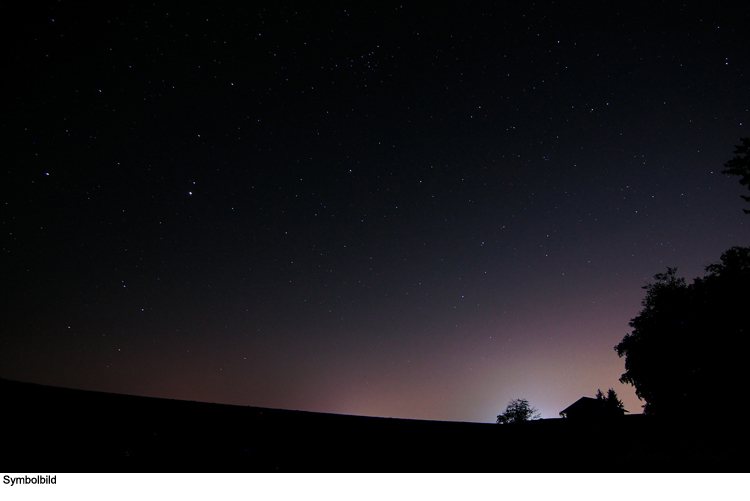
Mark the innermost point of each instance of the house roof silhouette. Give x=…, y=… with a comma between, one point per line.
x=590, y=408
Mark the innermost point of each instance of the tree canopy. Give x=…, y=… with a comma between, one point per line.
x=517, y=411
x=610, y=400
x=740, y=166
x=689, y=343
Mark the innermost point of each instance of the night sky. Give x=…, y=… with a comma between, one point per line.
x=381, y=210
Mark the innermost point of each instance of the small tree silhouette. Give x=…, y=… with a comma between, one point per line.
x=518, y=410
x=610, y=400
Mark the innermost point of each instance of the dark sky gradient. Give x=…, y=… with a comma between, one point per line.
x=388, y=211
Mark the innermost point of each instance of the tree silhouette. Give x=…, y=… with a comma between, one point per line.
x=740, y=166
x=610, y=400
x=517, y=411
x=688, y=344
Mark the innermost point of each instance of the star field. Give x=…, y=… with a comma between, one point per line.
x=378, y=210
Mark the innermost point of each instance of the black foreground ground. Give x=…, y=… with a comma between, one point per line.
x=57, y=430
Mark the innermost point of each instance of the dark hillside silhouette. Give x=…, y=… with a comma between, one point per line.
x=688, y=349
x=59, y=430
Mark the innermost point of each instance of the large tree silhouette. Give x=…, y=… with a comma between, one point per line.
x=689, y=344
x=740, y=166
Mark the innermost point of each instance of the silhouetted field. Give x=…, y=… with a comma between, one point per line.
x=62, y=430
